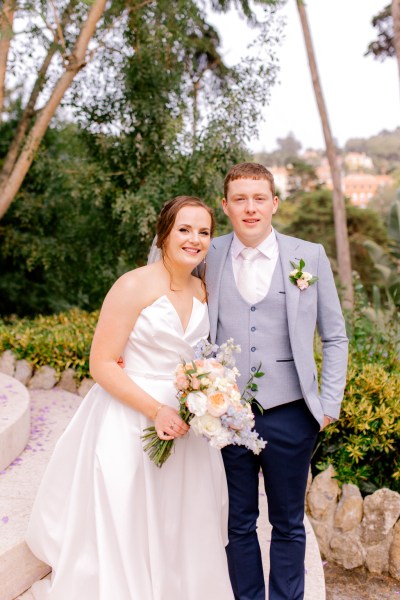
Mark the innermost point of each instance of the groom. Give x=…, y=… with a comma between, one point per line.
x=253, y=300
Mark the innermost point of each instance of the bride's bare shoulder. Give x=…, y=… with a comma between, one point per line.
x=142, y=283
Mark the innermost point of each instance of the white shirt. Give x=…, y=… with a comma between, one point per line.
x=264, y=263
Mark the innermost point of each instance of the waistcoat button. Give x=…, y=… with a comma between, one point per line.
x=253, y=349
x=253, y=329
x=253, y=369
x=253, y=308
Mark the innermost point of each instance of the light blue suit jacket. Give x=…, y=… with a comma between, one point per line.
x=316, y=307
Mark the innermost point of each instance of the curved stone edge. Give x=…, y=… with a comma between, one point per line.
x=15, y=435
x=16, y=581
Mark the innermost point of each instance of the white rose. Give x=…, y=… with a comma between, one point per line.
x=293, y=273
x=206, y=425
x=306, y=276
x=197, y=403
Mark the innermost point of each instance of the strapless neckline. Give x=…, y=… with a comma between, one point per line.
x=175, y=312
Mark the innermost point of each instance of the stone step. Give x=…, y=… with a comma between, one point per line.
x=14, y=419
x=51, y=411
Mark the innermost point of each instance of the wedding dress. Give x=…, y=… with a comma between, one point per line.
x=110, y=523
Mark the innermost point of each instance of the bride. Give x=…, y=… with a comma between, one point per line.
x=109, y=522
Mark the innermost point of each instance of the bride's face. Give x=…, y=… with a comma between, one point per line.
x=190, y=236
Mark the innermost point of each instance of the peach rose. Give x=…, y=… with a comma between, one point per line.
x=217, y=404
x=195, y=383
x=181, y=382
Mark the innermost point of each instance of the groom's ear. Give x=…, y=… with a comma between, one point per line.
x=224, y=205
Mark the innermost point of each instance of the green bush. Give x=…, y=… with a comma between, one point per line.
x=60, y=341
x=364, y=445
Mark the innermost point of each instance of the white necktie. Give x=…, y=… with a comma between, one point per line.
x=247, y=279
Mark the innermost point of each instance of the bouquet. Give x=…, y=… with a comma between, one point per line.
x=210, y=401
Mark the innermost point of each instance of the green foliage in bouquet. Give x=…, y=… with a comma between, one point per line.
x=364, y=445
x=61, y=341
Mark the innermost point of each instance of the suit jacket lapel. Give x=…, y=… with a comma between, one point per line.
x=214, y=276
x=287, y=247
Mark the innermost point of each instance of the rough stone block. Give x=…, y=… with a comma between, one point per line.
x=23, y=371
x=377, y=556
x=323, y=494
x=7, y=363
x=86, y=385
x=323, y=532
x=349, y=511
x=68, y=381
x=346, y=549
x=381, y=511
x=394, y=553
x=45, y=378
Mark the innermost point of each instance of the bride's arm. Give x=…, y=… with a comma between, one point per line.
x=118, y=315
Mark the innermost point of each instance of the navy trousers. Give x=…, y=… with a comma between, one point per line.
x=291, y=432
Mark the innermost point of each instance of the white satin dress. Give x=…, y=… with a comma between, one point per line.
x=111, y=524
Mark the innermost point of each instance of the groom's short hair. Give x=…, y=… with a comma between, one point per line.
x=248, y=170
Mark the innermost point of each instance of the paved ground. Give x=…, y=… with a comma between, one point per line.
x=52, y=410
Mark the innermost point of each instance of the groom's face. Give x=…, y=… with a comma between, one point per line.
x=250, y=205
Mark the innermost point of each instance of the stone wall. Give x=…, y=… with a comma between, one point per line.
x=353, y=531
x=44, y=377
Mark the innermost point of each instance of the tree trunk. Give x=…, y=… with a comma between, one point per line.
x=396, y=30
x=6, y=23
x=9, y=188
x=29, y=111
x=339, y=209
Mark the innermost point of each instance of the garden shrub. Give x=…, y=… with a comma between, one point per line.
x=364, y=445
x=60, y=341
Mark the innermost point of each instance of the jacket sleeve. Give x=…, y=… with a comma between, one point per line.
x=332, y=329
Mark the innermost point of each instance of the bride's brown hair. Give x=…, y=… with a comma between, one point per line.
x=167, y=218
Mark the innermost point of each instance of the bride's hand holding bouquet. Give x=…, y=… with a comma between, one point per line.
x=210, y=401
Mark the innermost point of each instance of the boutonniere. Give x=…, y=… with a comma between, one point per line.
x=299, y=277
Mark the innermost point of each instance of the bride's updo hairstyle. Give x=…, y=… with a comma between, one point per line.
x=168, y=214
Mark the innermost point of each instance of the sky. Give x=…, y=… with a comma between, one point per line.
x=362, y=94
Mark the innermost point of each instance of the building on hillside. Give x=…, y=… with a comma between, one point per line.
x=358, y=161
x=361, y=187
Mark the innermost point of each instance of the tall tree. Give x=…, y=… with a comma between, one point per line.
x=383, y=46
x=396, y=30
x=387, y=25
x=73, y=63
x=339, y=209
x=6, y=25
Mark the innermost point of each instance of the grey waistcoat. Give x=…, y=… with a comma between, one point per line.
x=262, y=332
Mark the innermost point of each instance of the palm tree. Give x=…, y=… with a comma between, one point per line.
x=339, y=209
